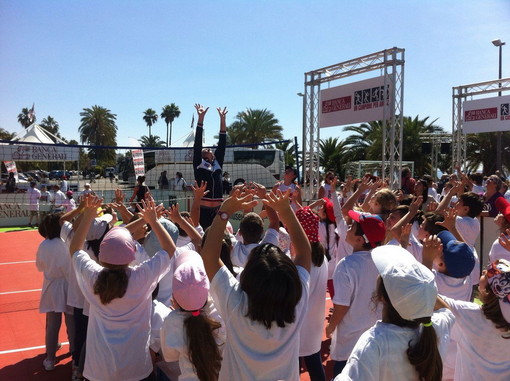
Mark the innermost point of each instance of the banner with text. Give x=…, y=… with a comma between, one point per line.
x=486, y=115
x=138, y=162
x=21, y=152
x=356, y=102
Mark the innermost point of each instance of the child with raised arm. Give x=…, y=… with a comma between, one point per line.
x=119, y=296
x=265, y=310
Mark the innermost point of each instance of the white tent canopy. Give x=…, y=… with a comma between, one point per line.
x=36, y=134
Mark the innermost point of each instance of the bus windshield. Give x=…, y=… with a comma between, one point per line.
x=261, y=157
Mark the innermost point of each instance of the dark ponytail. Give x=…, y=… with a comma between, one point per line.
x=318, y=254
x=111, y=283
x=203, y=350
x=424, y=354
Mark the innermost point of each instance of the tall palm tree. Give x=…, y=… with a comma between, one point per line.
x=480, y=151
x=50, y=125
x=151, y=141
x=169, y=113
x=333, y=155
x=255, y=126
x=366, y=142
x=289, y=152
x=150, y=117
x=98, y=128
x=24, y=117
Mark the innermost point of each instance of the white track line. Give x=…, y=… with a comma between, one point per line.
x=16, y=263
x=26, y=349
x=19, y=292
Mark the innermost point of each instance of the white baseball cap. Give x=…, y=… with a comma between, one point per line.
x=411, y=286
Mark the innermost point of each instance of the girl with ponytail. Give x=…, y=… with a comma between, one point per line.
x=193, y=333
x=119, y=295
x=407, y=343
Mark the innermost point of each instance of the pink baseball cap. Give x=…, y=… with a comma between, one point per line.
x=190, y=284
x=118, y=247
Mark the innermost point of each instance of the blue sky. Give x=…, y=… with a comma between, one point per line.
x=128, y=56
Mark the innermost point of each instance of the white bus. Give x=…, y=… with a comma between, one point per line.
x=265, y=166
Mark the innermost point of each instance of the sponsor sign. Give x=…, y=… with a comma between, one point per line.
x=356, y=102
x=486, y=115
x=21, y=152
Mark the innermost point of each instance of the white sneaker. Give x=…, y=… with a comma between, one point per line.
x=48, y=364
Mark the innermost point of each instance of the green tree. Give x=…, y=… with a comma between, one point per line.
x=98, y=128
x=24, y=117
x=6, y=135
x=333, y=155
x=289, y=152
x=169, y=113
x=481, y=151
x=255, y=126
x=150, y=117
x=51, y=125
x=151, y=141
x=366, y=142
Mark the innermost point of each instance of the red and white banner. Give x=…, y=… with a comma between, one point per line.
x=356, y=102
x=11, y=167
x=486, y=115
x=138, y=162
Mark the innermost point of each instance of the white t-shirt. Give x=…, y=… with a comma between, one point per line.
x=158, y=316
x=482, y=354
x=34, y=195
x=414, y=247
x=355, y=280
x=469, y=228
x=118, y=333
x=174, y=343
x=59, y=198
x=53, y=259
x=241, y=251
x=498, y=252
x=459, y=289
x=313, y=326
x=343, y=249
x=380, y=353
x=253, y=352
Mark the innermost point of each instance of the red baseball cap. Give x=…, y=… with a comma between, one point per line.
x=372, y=226
x=503, y=207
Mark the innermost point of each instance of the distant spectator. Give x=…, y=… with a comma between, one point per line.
x=179, y=182
x=408, y=182
x=227, y=184
x=163, y=180
x=45, y=195
x=33, y=203
x=111, y=176
x=63, y=184
x=69, y=202
x=59, y=199
x=10, y=186
x=139, y=191
x=87, y=190
x=493, y=186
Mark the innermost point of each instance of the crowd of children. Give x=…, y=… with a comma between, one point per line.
x=159, y=298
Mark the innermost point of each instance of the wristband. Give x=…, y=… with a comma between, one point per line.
x=200, y=125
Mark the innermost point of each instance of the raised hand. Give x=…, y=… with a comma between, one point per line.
x=200, y=191
x=504, y=240
x=237, y=201
x=432, y=248
x=449, y=219
x=278, y=201
x=201, y=111
x=92, y=204
x=174, y=214
x=223, y=113
x=119, y=196
x=149, y=211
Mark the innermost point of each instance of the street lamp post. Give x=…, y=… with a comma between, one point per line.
x=498, y=43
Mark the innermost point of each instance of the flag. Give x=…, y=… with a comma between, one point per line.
x=192, y=121
x=11, y=167
x=31, y=114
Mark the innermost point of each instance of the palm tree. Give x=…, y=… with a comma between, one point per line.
x=151, y=141
x=255, y=126
x=50, y=125
x=366, y=142
x=150, y=117
x=333, y=155
x=6, y=135
x=481, y=149
x=289, y=152
x=24, y=117
x=169, y=113
x=98, y=128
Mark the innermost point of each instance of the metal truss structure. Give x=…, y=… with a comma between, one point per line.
x=460, y=94
x=391, y=62
x=435, y=139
